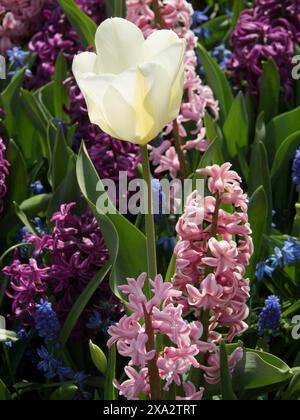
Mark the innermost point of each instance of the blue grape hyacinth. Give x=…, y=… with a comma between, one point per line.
x=270, y=317
x=46, y=321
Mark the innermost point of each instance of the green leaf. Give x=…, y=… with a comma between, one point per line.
x=258, y=213
x=4, y=392
x=291, y=310
x=171, y=269
x=98, y=357
x=64, y=393
x=110, y=391
x=226, y=385
x=84, y=26
x=270, y=90
x=218, y=82
x=24, y=219
x=36, y=204
x=9, y=100
x=284, y=155
x=17, y=180
x=293, y=391
x=218, y=28
x=126, y=244
x=259, y=370
x=236, y=127
x=259, y=174
x=37, y=114
x=60, y=92
x=67, y=191
x=280, y=128
x=59, y=155
x=82, y=302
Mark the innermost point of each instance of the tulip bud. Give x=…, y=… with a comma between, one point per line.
x=133, y=87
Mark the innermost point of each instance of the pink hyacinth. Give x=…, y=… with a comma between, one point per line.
x=136, y=336
x=213, y=251
x=198, y=98
x=212, y=371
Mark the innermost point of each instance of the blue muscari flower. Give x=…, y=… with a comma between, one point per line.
x=229, y=12
x=276, y=259
x=20, y=237
x=200, y=16
x=37, y=187
x=270, y=317
x=52, y=367
x=46, y=321
x=167, y=243
x=17, y=57
x=202, y=32
x=65, y=125
x=95, y=321
x=262, y=269
x=21, y=333
x=296, y=170
x=40, y=227
x=291, y=251
x=221, y=55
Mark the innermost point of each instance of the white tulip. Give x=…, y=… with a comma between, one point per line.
x=133, y=87
x=4, y=334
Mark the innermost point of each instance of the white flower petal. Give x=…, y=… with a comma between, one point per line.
x=156, y=101
x=84, y=63
x=119, y=46
x=166, y=49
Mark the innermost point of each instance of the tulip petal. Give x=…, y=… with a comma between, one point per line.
x=84, y=63
x=166, y=49
x=176, y=94
x=156, y=101
x=120, y=115
x=119, y=46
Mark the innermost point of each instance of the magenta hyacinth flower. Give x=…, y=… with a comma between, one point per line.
x=56, y=34
x=75, y=251
x=260, y=34
x=4, y=165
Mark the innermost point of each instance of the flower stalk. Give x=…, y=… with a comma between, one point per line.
x=149, y=219
x=177, y=142
x=156, y=10
x=154, y=379
x=118, y=8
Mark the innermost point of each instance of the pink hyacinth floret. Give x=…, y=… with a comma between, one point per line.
x=213, y=251
x=175, y=361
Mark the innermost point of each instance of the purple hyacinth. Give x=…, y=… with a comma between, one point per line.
x=283, y=12
x=4, y=165
x=270, y=317
x=255, y=39
x=75, y=251
x=28, y=283
x=110, y=156
x=56, y=34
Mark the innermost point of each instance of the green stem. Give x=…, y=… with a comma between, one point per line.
x=154, y=379
x=179, y=151
x=118, y=8
x=156, y=10
x=149, y=219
